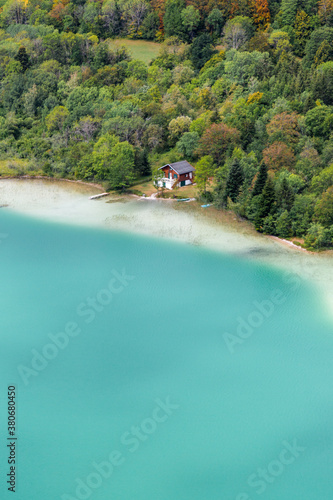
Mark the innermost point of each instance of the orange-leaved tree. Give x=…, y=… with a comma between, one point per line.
x=278, y=155
x=217, y=141
x=260, y=13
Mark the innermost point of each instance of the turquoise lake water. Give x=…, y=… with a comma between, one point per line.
x=149, y=370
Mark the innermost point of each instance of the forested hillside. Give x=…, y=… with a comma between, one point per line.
x=241, y=89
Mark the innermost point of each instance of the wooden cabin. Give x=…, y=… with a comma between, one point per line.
x=180, y=173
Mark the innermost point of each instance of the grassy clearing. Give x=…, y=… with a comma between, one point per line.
x=190, y=191
x=148, y=189
x=140, y=49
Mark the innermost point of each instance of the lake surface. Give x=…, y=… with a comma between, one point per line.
x=152, y=370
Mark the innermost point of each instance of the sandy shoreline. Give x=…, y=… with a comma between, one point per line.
x=53, y=179
x=68, y=202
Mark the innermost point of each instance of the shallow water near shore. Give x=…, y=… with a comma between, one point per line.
x=69, y=203
x=188, y=372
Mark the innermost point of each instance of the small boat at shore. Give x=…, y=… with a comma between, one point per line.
x=205, y=206
x=184, y=199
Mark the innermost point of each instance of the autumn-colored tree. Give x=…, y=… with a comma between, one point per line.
x=217, y=140
x=278, y=156
x=284, y=127
x=158, y=6
x=325, y=8
x=260, y=13
x=58, y=10
x=201, y=5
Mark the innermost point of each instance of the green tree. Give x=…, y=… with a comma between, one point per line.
x=243, y=67
x=187, y=144
x=324, y=208
x=56, y=119
x=150, y=26
x=283, y=225
x=302, y=32
x=261, y=180
x=301, y=213
x=173, y=24
x=178, y=126
x=288, y=12
x=201, y=50
x=204, y=169
x=317, y=37
x=266, y=204
x=191, y=19
x=215, y=22
x=121, y=173
x=23, y=58
x=318, y=236
x=235, y=180
x=284, y=194
x=323, y=181
x=324, y=53
x=319, y=121
x=322, y=83
x=101, y=156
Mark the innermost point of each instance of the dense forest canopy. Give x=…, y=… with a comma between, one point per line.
x=242, y=89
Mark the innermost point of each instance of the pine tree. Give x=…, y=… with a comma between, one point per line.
x=234, y=181
x=266, y=204
x=261, y=180
x=285, y=195
x=142, y=164
x=23, y=58
x=173, y=25
x=324, y=53
x=302, y=32
x=288, y=12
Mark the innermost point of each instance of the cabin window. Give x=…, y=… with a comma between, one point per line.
x=175, y=176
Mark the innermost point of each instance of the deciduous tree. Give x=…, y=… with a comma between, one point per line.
x=278, y=156
x=191, y=19
x=204, y=169
x=56, y=119
x=217, y=140
x=284, y=126
x=260, y=13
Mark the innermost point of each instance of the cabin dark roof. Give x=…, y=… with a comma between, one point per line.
x=181, y=167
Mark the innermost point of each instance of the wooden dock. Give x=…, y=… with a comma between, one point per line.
x=96, y=196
